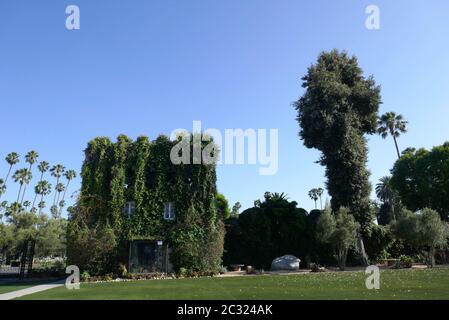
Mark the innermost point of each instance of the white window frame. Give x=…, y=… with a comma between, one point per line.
x=129, y=209
x=169, y=211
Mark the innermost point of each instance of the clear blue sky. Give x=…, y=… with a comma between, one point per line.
x=148, y=67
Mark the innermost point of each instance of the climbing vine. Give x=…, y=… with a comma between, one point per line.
x=141, y=172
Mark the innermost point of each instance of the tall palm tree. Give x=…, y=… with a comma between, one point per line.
x=313, y=194
x=319, y=192
x=392, y=124
x=43, y=188
x=31, y=158
x=57, y=171
x=383, y=189
x=69, y=175
x=389, y=197
x=2, y=187
x=22, y=176
x=59, y=188
x=12, y=159
x=42, y=167
x=3, y=206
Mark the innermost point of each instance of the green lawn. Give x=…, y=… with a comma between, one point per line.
x=18, y=285
x=395, y=284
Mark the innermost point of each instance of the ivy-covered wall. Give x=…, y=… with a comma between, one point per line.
x=141, y=171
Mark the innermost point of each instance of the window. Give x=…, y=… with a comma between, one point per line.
x=129, y=209
x=169, y=211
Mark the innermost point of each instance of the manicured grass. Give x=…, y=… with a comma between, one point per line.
x=18, y=285
x=395, y=284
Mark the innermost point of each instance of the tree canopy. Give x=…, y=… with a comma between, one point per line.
x=337, y=109
x=421, y=178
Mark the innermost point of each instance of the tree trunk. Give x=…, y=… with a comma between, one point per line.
x=397, y=148
x=432, y=257
x=20, y=191
x=361, y=250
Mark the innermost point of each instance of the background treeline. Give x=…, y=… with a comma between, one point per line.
x=40, y=186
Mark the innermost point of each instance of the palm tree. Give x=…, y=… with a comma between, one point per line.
x=383, y=189
x=319, y=193
x=22, y=176
x=388, y=196
x=59, y=188
x=31, y=158
x=3, y=206
x=43, y=167
x=12, y=159
x=69, y=175
x=43, y=188
x=26, y=204
x=2, y=187
x=392, y=124
x=313, y=194
x=57, y=171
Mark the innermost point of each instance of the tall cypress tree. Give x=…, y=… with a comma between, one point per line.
x=337, y=110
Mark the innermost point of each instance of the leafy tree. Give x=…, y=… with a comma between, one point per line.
x=339, y=231
x=421, y=178
x=236, y=209
x=392, y=124
x=337, y=109
x=222, y=206
x=51, y=239
x=423, y=230
x=273, y=228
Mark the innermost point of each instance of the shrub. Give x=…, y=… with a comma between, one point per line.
x=315, y=267
x=85, y=276
x=122, y=271
x=404, y=262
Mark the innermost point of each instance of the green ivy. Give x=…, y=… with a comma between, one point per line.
x=141, y=171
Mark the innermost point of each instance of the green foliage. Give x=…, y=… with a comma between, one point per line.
x=273, y=228
x=423, y=230
x=421, y=178
x=378, y=243
x=338, y=231
x=404, y=262
x=236, y=209
x=51, y=239
x=338, y=108
x=141, y=172
x=223, y=207
x=91, y=242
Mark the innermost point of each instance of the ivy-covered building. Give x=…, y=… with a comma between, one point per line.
x=137, y=210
